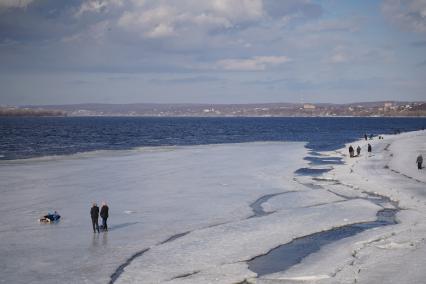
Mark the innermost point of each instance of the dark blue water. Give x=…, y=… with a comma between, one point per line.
x=287, y=255
x=35, y=137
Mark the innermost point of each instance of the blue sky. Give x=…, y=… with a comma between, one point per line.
x=211, y=51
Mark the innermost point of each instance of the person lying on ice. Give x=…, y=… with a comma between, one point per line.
x=50, y=217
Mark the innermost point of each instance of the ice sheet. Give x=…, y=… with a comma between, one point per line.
x=392, y=254
x=241, y=240
x=405, y=151
x=153, y=194
x=201, y=194
x=307, y=198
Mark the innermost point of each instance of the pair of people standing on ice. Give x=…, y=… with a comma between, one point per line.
x=352, y=151
x=94, y=214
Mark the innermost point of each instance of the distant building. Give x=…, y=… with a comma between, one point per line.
x=309, y=106
x=387, y=106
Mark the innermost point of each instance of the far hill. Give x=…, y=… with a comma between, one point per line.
x=389, y=108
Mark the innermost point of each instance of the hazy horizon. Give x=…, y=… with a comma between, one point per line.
x=211, y=52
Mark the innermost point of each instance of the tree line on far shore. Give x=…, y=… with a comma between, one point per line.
x=13, y=111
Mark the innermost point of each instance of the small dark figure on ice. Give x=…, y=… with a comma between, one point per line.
x=94, y=214
x=358, y=151
x=365, y=137
x=50, y=218
x=419, y=161
x=351, y=151
x=104, y=216
x=369, y=148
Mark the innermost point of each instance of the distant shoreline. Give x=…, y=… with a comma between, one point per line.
x=196, y=116
x=362, y=109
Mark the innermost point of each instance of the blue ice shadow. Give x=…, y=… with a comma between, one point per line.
x=122, y=225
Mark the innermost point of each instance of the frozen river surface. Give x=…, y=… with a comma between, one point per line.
x=199, y=194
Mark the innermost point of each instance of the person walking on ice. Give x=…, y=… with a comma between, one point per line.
x=94, y=214
x=104, y=215
x=419, y=161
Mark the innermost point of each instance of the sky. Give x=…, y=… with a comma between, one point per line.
x=211, y=51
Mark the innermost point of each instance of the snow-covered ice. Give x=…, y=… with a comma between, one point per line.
x=391, y=254
x=404, y=160
x=183, y=214
x=153, y=193
x=298, y=199
x=240, y=241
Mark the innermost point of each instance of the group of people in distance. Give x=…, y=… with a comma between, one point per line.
x=419, y=159
x=358, y=151
x=94, y=214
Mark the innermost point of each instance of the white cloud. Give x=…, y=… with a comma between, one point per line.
x=211, y=21
x=95, y=33
x=180, y=34
x=168, y=18
x=90, y=6
x=96, y=6
x=409, y=14
x=156, y=22
x=257, y=63
x=238, y=10
x=360, y=55
x=14, y=3
x=188, y=24
x=161, y=30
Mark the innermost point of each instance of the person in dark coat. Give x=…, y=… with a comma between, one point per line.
x=358, y=151
x=104, y=216
x=53, y=216
x=94, y=214
x=419, y=161
x=369, y=148
x=351, y=151
x=50, y=218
